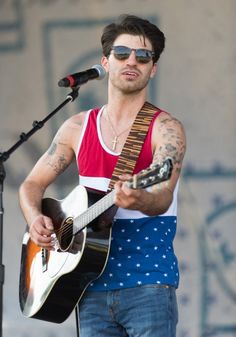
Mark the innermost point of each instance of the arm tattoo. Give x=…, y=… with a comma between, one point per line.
x=173, y=144
x=52, y=149
x=57, y=161
x=57, y=141
x=60, y=165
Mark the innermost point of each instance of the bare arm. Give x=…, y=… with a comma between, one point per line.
x=168, y=140
x=53, y=162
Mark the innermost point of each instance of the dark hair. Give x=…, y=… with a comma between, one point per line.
x=133, y=25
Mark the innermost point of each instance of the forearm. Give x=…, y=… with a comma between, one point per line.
x=153, y=202
x=30, y=197
x=156, y=202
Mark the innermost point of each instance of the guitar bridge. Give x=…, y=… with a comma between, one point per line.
x=44, y=255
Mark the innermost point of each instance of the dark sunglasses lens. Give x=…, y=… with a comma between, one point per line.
x=121, y=53
x=143, y=55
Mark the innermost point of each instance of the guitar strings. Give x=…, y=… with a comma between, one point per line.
x=93, y=211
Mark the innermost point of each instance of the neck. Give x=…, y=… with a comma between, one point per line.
x=117, y=119
x=119, y=115
x=124, y=108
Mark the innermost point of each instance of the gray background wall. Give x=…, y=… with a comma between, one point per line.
x=40, y=42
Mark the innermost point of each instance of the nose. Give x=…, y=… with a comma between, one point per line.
x=132, y=58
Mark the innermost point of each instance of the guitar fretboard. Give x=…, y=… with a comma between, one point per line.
x=93, y=212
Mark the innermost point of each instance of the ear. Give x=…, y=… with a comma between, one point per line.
x=154, y=70
x=105, y=63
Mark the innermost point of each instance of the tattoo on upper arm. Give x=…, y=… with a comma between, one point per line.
x=58, y=161
x=173, y=142
x=59, y=164
x=52, y=149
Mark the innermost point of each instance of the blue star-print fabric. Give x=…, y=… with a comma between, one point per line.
x=141, y=253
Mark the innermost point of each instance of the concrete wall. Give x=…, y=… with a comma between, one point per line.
x=40, y=42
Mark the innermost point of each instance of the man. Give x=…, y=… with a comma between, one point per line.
x=135, y=295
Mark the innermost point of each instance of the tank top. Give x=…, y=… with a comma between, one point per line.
x=141, y=249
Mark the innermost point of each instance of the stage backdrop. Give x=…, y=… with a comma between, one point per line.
x=40, y=42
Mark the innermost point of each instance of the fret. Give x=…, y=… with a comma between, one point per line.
x=93, y=212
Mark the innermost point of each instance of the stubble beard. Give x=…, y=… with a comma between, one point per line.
x=130, y=87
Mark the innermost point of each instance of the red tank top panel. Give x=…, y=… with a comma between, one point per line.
x=96, y=162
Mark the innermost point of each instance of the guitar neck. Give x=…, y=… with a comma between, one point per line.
x=154, y=174
x=93, y=212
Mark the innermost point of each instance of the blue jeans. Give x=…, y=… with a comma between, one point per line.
x=145, y=311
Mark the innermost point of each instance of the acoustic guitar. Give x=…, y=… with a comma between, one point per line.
x=52, y=282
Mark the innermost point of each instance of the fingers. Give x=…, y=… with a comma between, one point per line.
x=126, y=197
x=41, y=232
x=125, y=177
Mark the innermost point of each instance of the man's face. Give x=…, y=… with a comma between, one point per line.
x=129, y=75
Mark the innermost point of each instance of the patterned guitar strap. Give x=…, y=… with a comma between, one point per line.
x=129, y=154
x=134, y=142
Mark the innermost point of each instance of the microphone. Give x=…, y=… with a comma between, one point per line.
x=83, y=77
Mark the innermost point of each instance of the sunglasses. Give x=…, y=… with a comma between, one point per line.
x=142, y=55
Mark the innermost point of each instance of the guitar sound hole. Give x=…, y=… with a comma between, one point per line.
x=66, y=236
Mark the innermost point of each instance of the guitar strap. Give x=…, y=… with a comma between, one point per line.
x=134, y=142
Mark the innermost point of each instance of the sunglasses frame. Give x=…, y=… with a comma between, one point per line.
x=139, y=58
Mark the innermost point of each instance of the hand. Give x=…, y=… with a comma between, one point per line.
x=41, y=232
x=126, y=197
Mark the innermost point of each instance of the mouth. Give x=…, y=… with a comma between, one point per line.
x=131, y=74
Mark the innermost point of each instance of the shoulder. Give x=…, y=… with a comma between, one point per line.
x=166, y=123
x=70, y=131
x=75, y=122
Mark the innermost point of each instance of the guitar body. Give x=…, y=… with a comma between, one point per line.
x=52, y=282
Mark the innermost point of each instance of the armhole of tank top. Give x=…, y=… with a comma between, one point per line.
x=98, y=123
x=83, y=132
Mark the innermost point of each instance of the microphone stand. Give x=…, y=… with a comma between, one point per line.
x=4, y=156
